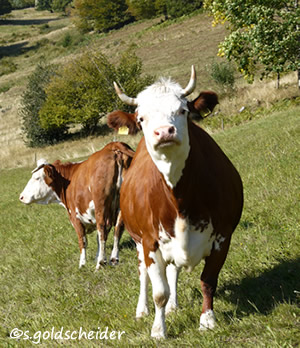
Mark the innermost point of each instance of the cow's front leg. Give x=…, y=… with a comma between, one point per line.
x=172, y=276
x=160, y=290
x=142, y=307
x=101, y=239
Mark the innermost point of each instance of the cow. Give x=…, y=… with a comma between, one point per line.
x=181, y=198
x=90, y=192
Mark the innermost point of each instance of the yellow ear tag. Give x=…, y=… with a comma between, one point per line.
x=123, y=130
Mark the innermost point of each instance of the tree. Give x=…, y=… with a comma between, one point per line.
x=60, y=5
x=5, y=7
x=101, y=15
x=141, y=9
x=82, y=92
x=44, y=5
x=178, y=8
x=263, y=34
x=32, y=100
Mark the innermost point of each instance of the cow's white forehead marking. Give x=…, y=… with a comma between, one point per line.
x=163, y=98
x=161, y=105
x=37, y=191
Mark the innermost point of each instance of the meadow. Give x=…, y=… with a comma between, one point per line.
x=42, y=291
x=257, y=302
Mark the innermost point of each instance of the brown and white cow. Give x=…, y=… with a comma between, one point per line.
x=90, y=192
x=181, y=199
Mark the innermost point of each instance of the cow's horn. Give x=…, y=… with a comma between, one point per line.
x=191, y=85
x=124, y=97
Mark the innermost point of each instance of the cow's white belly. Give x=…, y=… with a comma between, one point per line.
x=189, y=246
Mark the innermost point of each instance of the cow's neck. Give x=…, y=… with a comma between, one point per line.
x=61, y=184
x=170, y=161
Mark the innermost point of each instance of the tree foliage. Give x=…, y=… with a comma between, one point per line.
x=32, y=100
x=18, y=4
x=101, y=15
x=82, y=92
x=141, y=9
x=178, y=8
x=5, y=7
x=262, y=34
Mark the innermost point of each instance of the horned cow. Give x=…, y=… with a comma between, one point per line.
x=181, y=198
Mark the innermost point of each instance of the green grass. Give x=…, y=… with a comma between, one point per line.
x=257, y=301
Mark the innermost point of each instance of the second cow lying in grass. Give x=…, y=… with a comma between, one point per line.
x=89, y=191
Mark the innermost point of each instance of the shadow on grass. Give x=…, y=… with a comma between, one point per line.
x=27, y=21
x=280, y=284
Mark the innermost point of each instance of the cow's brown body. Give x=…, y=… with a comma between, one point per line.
x=89, y=191
x=181, y=199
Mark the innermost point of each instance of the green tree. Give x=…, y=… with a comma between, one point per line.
x=18, y=4
x=263, y=34
x=101, y=15
x=44, y=5
x=141, y=9
x=82, y=92
x=5, y=7
x=178, y=8
x=59, y=5
x=32, y=100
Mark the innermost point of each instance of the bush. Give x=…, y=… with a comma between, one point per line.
x=100, y=15
x=178, y=8
x=7, y=66
x=223, y=74
x=19, y=4
x=82, y=92
x=32, y=100
x=5, y=7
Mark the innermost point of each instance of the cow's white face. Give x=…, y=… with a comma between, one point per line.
x=162, y=114
x=37, y=191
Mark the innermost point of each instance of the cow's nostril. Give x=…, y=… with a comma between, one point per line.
x=156, y=132
x=171, y=130
x=21, y=198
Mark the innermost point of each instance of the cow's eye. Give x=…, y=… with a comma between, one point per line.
x=141, y=119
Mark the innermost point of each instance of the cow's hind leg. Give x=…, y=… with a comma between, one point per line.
x=209, y=280
x=101, y=238
x=82, y=240
x=172, y=276
x=160, y=290
x=118, y=231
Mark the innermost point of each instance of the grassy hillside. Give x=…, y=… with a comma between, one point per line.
x=257, y=302
x=167, y=48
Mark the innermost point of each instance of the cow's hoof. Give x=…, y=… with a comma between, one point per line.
x=207, y=320
x=102, y=263
x=114, y=262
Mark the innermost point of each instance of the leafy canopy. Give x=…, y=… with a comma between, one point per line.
x=82, y=91
x=262, y=33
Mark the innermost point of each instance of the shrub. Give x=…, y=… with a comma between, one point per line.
x=7, y=66
x=67, y=40
x=223, y=74
x=82, y=91
x=32, y=100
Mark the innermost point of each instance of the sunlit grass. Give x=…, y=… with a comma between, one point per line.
x=257, y=302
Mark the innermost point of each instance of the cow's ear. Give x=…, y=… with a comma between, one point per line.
x=203, y=104
x=118, y=119
x=49, y=172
